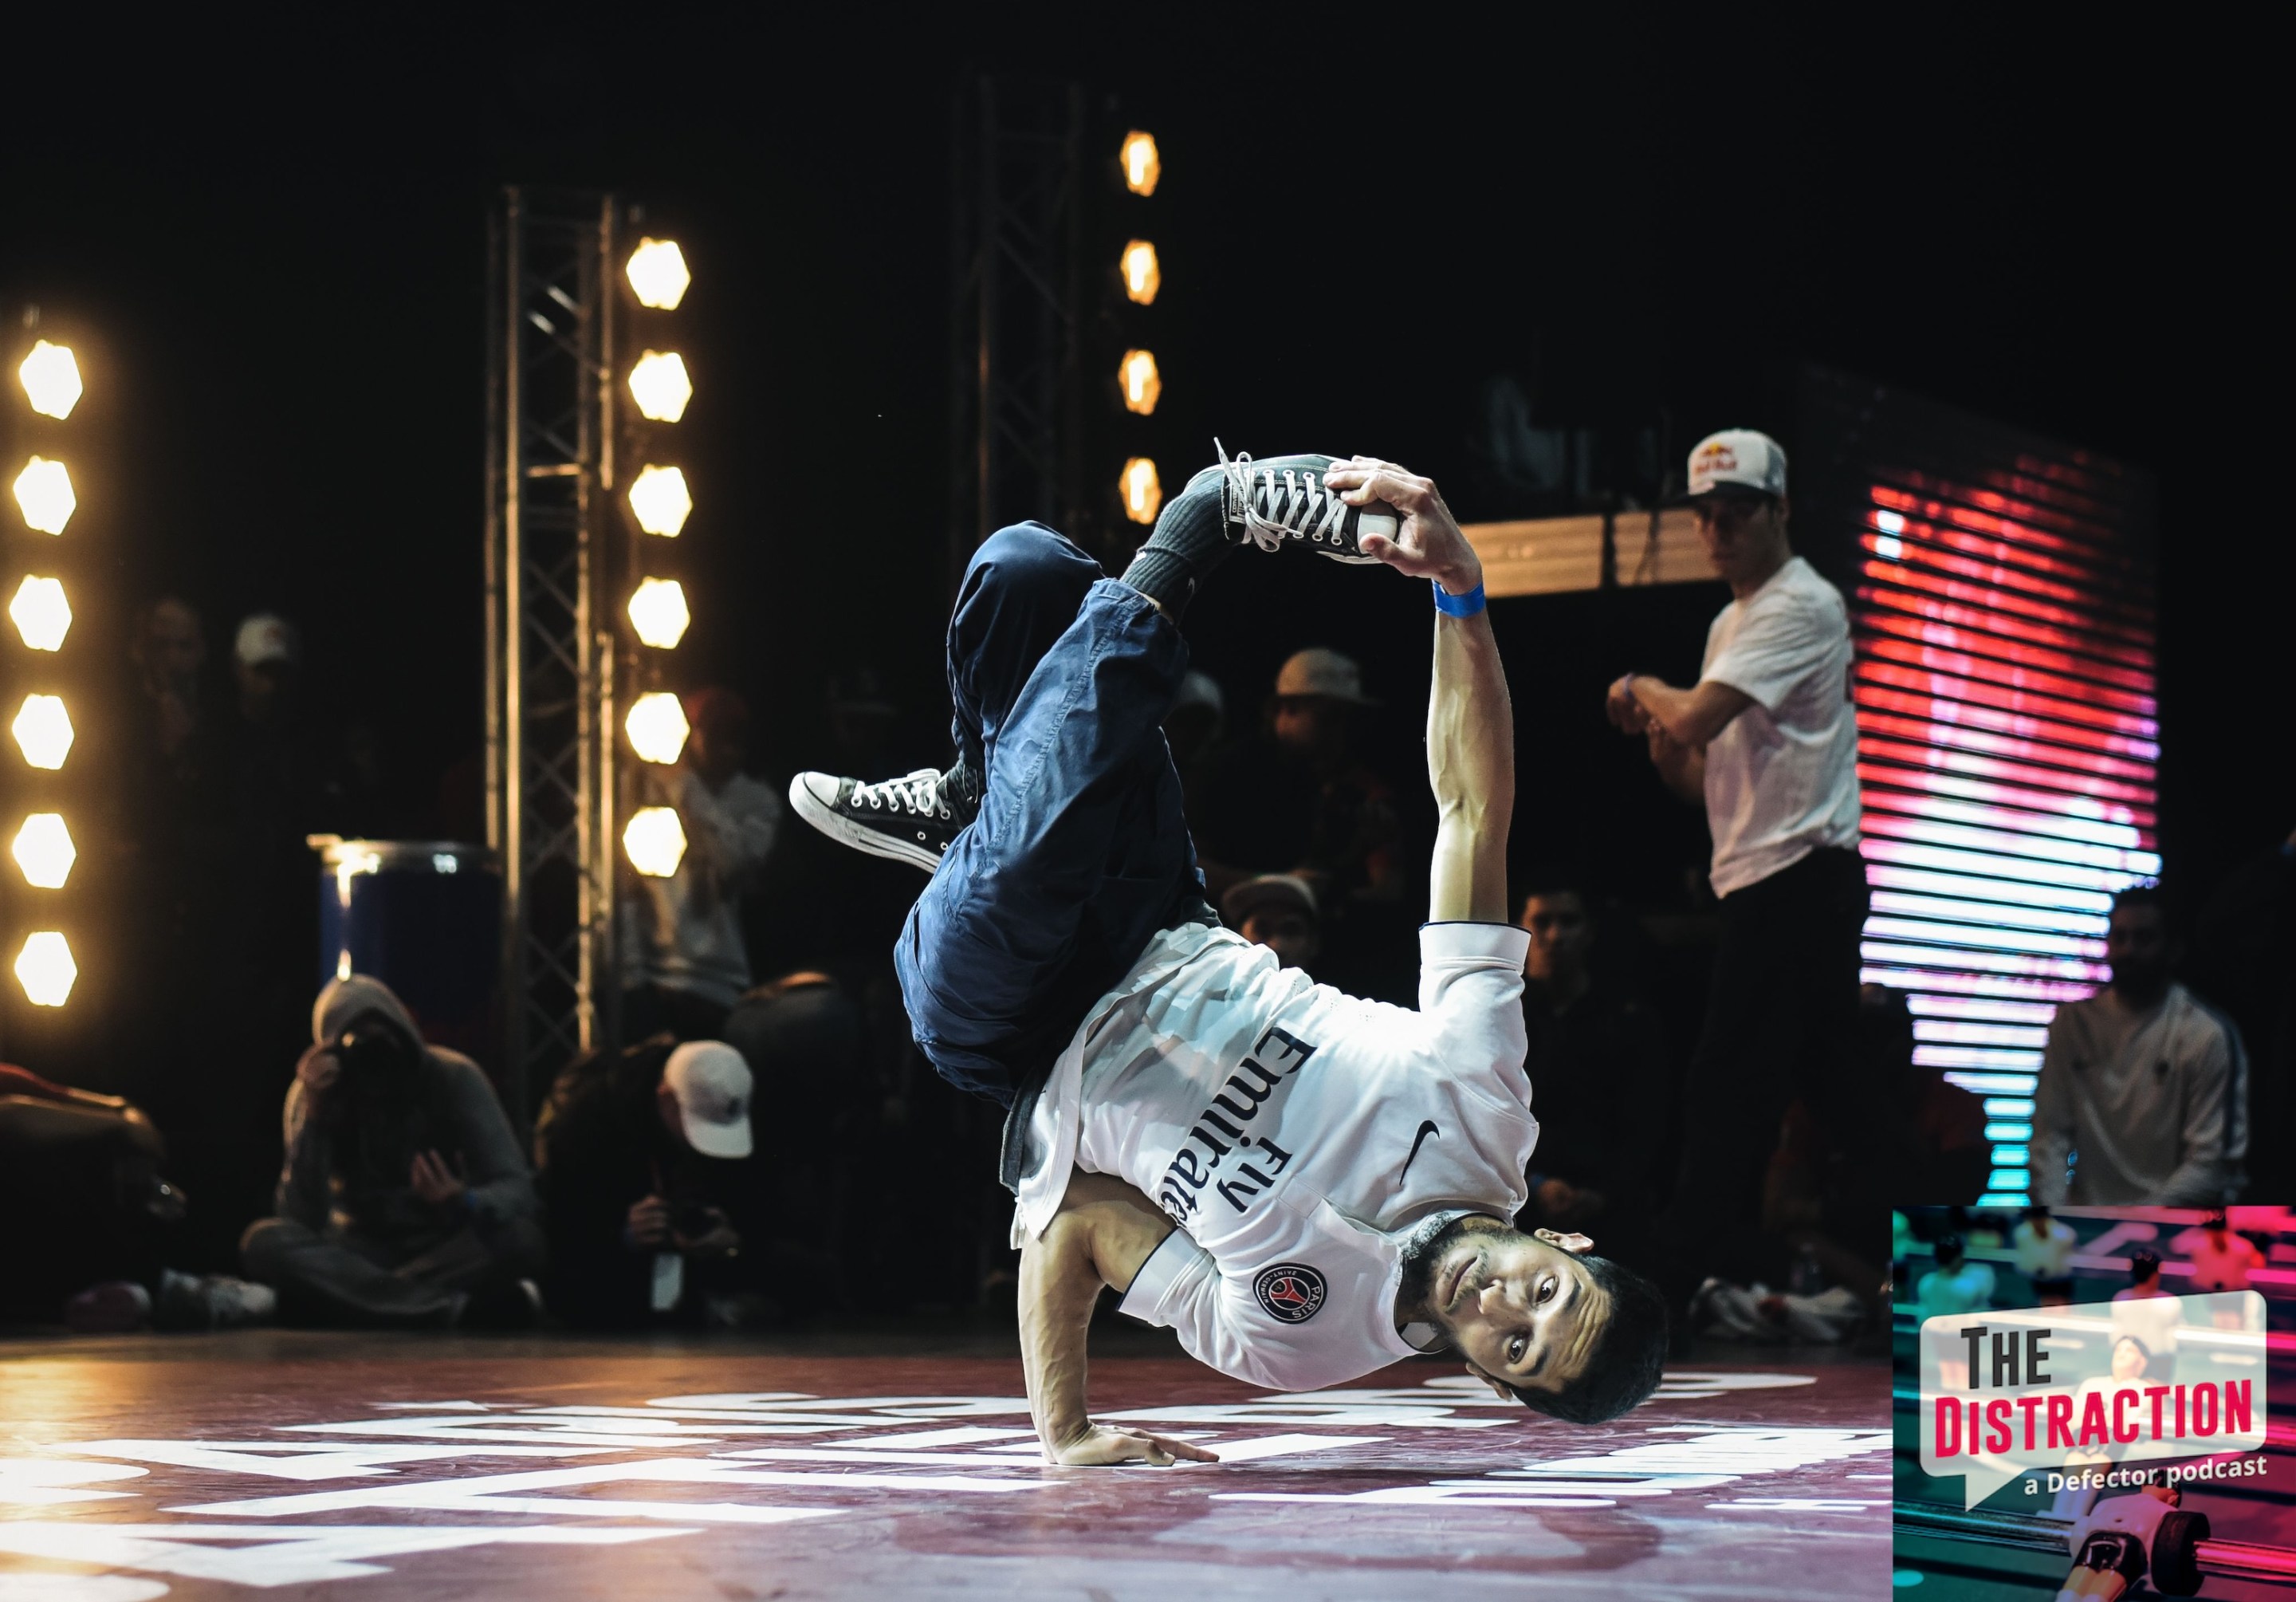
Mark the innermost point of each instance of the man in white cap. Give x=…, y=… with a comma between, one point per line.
x=641, y=1156
x=1767, y=740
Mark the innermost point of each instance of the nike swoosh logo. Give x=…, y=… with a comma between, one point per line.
x=1426, y=1129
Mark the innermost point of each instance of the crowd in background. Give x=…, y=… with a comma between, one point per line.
x=857, y=1181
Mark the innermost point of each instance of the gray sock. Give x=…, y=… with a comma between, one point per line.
x=1188, y=543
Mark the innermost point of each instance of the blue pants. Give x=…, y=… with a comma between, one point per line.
x=1061, y=677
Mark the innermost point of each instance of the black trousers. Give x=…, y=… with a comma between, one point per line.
x=1781, y=1022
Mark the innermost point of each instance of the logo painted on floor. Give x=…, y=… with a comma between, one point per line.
x=682, y=1465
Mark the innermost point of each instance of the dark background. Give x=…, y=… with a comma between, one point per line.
x=269, y=246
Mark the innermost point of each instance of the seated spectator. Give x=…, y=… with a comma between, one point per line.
x=2221, y=1260
x=1956, y=1286
x=2151, y=1313
x=643, y=1159
x=2142, y=1095
x=2044, y=1246
x=404, y=1201
x=691, y=962
x=1277, y=911
x=89, y=1211
x=1598, y=1076
x=803, y=1038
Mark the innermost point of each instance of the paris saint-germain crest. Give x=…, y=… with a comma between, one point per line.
x=1291, y=1292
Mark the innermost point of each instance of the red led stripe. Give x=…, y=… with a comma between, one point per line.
x=1924, y=765
x=2035, y=739
x=1924, y=604
x=2117, y=617
x=2103, y=858
x=2006, y=648
x=2068, y=825
x=1937, y=659
x=1992, y=548
x=1989, y=512
x=1993, y=598
x=1977, y=692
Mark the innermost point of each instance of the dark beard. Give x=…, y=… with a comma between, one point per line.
x=1422, y=1251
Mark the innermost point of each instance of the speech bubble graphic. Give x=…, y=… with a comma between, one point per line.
x=2091, y=1385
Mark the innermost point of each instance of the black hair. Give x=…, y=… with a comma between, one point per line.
x=2142, y=895
x=1949, y=1250
x=2142, y=1266
x=1557, y=876
x=1625, y=1364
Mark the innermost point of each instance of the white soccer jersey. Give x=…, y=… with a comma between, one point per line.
x=1293, y=1133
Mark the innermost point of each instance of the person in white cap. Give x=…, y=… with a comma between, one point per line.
x=1767, y=740
x=641, y=1157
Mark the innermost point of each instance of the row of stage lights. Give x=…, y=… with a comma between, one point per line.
x=43, y=728
x=1138, y=383
x=654, y=839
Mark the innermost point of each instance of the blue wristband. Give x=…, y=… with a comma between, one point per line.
x=1458, y=607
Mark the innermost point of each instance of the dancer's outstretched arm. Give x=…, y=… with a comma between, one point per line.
x=1469, y=721
x=1103, y=1232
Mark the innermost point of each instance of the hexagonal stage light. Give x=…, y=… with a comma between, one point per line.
x=657, y=727
x=1143, y=491
x=43, y=849
x=50, y=380
x=659, y=386
x=41, y=613
x=43, y=492
x=1141, y=382
x=45, y=969
x=657, y=274
x=43, y=731
x=654, y=841
x=658, y=498
x=658, y=614
x=1142, y=277
x=1142, y=165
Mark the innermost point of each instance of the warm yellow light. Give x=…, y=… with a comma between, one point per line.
x=1142, y=166
x=659, y=386
x=43, y=849
x=655, y=840
x=658, y=497
x=1142, y=277
x=51, y=378
x=657, y=727
x=657, y=272
x=44, y=731
x=658, y=612
x=1136, y=373
x=1143, y=493
x=45, y=969
x=41, y=613
x=45, y=492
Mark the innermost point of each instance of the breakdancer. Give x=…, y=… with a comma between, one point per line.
x=1305, y=1185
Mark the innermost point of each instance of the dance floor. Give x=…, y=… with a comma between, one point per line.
x=371, y=1469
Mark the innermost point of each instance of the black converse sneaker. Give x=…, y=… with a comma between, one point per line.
x=1283, y=501
x=911, y=818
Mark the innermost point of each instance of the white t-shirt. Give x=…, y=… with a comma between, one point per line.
x=1782, y=777
x=1295, y=1134
x=2045, y=1254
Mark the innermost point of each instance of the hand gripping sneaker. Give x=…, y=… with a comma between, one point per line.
x=911, y=818
x=1283, y=501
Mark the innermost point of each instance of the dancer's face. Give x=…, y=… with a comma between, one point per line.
x=2127, y=1360
x=1520, y=1308
x=1743, y=535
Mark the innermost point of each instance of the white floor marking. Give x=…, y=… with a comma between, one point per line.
x=301, y=1460
x=280, y=1554
x=78, y=1587
x=47, y=1482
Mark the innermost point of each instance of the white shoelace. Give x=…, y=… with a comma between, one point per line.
x=1296, y=507
x=916, y=793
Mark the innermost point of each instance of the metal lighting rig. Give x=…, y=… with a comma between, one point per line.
x=575, y=510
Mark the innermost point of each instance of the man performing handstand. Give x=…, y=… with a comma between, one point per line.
x=1305, y=1185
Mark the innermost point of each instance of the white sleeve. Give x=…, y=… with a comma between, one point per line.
x=1471, y=995
x=1782, y=641
x=1180, y=1288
